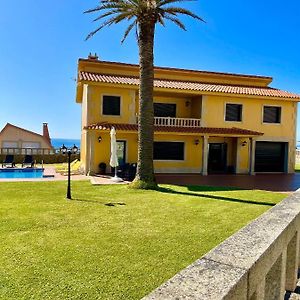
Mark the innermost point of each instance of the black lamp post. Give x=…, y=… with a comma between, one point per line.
x=69, y=151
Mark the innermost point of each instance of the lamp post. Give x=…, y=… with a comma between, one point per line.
x=69, y=151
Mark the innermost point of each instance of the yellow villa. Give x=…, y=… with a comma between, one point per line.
x=205, y=122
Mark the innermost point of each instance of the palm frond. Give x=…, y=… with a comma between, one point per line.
x=165, y=2
x=176, y=21
x=182, y=11
x=127, y=10
x=129, y=28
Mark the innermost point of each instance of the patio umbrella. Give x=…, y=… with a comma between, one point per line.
x=113, y=153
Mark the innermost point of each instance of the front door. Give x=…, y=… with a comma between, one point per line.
x=121, y=152
x=217, y=157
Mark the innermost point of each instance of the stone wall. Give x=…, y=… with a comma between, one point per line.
x=259, y=262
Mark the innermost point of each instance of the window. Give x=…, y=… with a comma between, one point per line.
x=272, y=114
x=168, y=151
x=111, y=105
x=233, y=112
x=31, y=145
x=164, y=110
x=10, y=145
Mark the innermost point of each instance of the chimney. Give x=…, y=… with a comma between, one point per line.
x=93, y=56
x=46, y=132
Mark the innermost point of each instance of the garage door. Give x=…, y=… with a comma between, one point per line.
x=270, y=157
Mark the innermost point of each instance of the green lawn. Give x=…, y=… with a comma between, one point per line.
x=111, y=242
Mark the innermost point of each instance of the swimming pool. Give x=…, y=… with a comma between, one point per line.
x=21, y=173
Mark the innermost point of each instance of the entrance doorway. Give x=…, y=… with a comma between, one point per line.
x=217, y=158
x=121, y=152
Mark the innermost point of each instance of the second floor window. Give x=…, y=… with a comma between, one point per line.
x=272, y=114
x=165, y=110
x=233, y=112
x=111, y=105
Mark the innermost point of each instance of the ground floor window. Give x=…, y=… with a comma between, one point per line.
x=168, y=151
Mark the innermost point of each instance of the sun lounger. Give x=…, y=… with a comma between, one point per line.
x=9, y=161
x=28, y=161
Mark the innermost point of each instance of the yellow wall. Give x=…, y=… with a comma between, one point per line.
x=191, y=164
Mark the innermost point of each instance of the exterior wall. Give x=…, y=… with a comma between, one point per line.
x=189, y=104
x=191, y=164
x=11, y=134
x=128, y=107
x=252, y=118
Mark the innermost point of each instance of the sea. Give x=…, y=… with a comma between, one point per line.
x=57, y=143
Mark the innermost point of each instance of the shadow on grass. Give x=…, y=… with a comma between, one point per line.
x=170, y=191
x=100, y=202
x=206, y=188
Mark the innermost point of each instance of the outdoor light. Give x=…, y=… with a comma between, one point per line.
x=99, y=139
x=187, y=103
x=244, y=143
x=69, y=151
x=196, y=142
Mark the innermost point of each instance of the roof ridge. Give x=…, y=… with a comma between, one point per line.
x=178, y=69
x=178, y=80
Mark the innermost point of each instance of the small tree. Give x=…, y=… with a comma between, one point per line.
x=143, y=15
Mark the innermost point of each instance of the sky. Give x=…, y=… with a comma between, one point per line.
x=41, y=41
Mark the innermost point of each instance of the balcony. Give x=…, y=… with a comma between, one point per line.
x=177, y=122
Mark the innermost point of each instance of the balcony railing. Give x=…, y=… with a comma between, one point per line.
x=177, y=122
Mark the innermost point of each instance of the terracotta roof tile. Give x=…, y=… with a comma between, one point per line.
x=200, y=130
x=187, y=85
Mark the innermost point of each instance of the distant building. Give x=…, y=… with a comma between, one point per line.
x=15, y=137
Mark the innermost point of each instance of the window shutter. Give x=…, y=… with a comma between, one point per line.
x=233, y=112
x=111, y=105
x=168, y=151
x=165, y=110
x=272, y=114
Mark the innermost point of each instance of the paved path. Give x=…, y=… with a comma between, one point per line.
x=269, y=182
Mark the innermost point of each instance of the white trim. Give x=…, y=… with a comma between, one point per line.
x=121, y=106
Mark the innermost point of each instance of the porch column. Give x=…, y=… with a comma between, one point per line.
x=205, y=155
x=90, y=147
x=252, y=156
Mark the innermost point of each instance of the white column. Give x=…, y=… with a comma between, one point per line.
x=205, y=155
x=90, y=140
x=252, y=156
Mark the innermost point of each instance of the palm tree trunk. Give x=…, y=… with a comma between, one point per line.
x=145, y=171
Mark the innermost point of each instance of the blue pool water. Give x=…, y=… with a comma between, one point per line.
x=21, y=173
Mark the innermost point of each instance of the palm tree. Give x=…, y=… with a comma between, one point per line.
x=143, y=16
